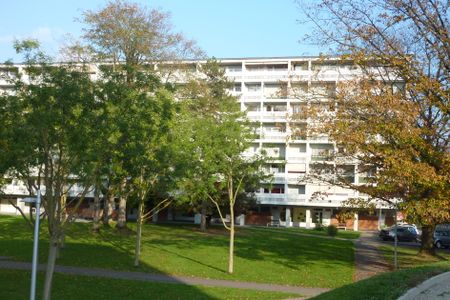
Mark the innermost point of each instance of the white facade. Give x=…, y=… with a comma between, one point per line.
x=273, y=92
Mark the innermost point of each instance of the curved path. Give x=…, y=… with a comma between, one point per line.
x=97, y=272
x=368, y=259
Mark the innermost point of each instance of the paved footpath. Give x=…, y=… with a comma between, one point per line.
x=437, y=287
x=305, y=292
x=368, y=259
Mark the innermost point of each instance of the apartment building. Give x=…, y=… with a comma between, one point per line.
x=274, y=93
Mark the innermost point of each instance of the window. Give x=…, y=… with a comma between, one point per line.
x=275, y=107
x=321, y=152
x=233, y=68
x=301, y=66
x=347, y=173
x=274, y=168
x=274, y=189
x=297, y=189
x=253, y=87
x=253, y=106
x=265, y=68
x=237, y=87
x=366, y=173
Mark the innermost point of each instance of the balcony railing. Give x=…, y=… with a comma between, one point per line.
x=319, y=157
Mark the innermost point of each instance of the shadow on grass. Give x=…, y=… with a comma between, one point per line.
x=390, y=285
x=110, y=251
x=260, y=256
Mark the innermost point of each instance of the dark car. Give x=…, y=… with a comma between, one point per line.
x=441, y=238
x=405, y=233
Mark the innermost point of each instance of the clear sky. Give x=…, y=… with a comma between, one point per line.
x=223, y=28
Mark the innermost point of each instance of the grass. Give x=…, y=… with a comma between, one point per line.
x=345, y=234
x=414, y=269
x=409, y=257
x=386, y=286
x=14, y=285
x=260, y=256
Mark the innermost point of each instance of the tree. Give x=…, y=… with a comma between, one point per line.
x=133, y=34
x=394, y=119
x=49, y=122
x=133, y=39
x=216, y=136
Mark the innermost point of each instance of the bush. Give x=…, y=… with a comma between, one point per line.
x=332, y=230
x=319, y=226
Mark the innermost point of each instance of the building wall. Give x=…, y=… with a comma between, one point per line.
x=273, y=91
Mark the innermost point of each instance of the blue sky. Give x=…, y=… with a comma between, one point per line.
x=223, y=28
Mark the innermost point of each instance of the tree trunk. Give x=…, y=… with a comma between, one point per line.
x=122, y=215
x=108, y=202
x=96, y=221
x=427, y=245
x=52, y=252
x=139, y=221
x=203, y=218
x=231, y=253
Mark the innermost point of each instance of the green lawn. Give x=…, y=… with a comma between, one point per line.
x=409, y=257
x=346, y=234
x=15, y=285
x=261, y=256
x=386, y=286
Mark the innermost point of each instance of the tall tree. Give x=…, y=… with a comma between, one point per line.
x=50, y=122
x=217, y=134
x=135, y=35
x=132, y=38
x=394, y=119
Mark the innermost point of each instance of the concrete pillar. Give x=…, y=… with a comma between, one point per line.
x=308, y=218
x=355, y=222
x=197, y=218
x=380, y=219
x=288, y=217
x=241, y=220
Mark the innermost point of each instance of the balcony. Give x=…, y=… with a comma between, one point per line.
x=271, y=198
x=273, y=115
x=273, y=135
x=297, y=198
x=297, y=157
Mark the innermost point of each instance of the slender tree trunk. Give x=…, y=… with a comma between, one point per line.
x=203, y=217
x=139, y=221
x=108, y=201
x=52, y=252
x=231, y=253
x=96, y=221
x=427, y=245
x=122, y=215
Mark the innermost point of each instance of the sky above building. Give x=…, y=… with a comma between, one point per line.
x=222, y=28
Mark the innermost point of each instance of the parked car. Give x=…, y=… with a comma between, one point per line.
x=405, y=233
x=441, y=238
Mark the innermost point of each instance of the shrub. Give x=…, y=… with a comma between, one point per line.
x=319, y=226
x=332, y=230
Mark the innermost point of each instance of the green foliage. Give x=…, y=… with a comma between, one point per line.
x=319, y=227
x=215, y=135
x=332, y=230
